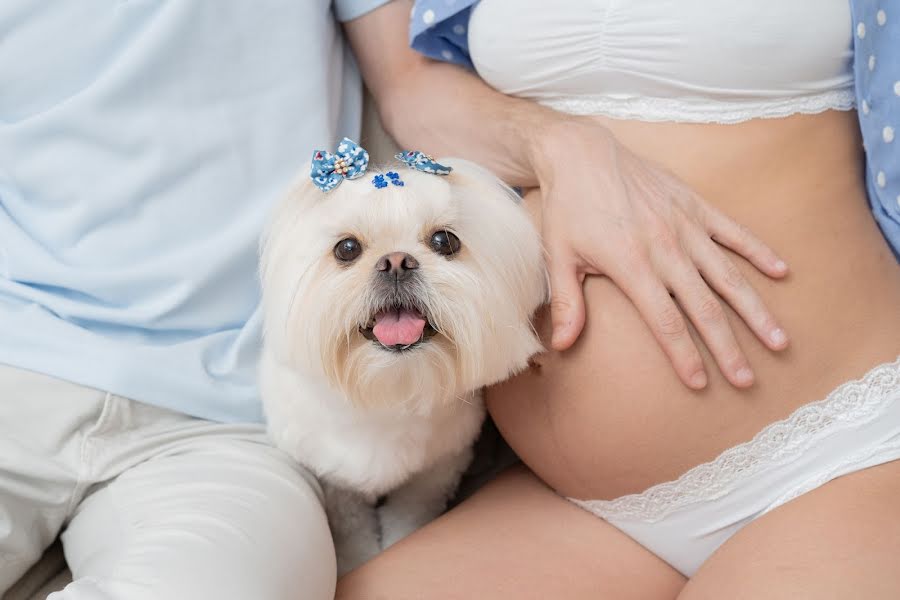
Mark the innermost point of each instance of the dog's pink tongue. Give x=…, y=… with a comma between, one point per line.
x=398, y=327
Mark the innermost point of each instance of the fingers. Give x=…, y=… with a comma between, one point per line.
x=566, y=303
x=709, y=318
x=726, y=278
x=739, y=239
x=652, y=300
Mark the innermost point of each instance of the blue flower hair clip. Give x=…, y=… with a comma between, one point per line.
x=395, y=178
x=349, y=162
x=379, y=181
x=422, y=162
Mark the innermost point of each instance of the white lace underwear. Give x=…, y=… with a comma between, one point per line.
x=684, y=521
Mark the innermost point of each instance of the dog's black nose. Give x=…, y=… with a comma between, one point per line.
x=396, y=265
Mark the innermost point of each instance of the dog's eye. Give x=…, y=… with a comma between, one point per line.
x=445, y=243
x=348, y=250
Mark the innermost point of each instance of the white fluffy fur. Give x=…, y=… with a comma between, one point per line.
x=370, y=422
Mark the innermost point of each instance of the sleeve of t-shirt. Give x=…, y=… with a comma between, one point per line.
x=347, y=10
x=440, y=30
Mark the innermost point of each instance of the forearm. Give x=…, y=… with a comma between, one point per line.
x=448, y=111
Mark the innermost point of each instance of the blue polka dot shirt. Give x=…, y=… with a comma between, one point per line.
x=876, y=62
x=439, y=29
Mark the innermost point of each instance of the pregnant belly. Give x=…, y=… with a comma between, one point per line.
x=609, y=417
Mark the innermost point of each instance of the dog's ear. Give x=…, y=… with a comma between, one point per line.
x=300, y=196
x=298, y=199
x=302, y=192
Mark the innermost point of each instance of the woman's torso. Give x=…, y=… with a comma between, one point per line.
x=609, y=417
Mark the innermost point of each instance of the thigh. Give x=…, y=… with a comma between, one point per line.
x=43, y=422
x=839, y=541
x=225, y=520
x=514, y=538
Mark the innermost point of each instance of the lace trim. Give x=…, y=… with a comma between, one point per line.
x=688, y=110
x=853, y=403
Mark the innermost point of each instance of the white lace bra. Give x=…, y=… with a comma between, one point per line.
x=668, y=60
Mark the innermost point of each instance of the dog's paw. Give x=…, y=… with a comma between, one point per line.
x=354, y=527
x=352, y=551
x=398, y=520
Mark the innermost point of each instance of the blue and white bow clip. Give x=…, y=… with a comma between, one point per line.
x=422, y=162
x=349, y=162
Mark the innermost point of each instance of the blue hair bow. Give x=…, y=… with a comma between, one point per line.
x=349, y=162
x=422, y=162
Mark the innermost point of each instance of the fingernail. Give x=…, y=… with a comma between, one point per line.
x=781, y=266
x=698, y=380
x=744, y=376
x=778, y=337
x=555, y=338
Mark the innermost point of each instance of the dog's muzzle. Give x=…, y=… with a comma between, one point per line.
x=399, y=320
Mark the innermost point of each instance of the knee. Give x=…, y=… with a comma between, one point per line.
x=251, y=527
x=315, y=580
x=262, y=567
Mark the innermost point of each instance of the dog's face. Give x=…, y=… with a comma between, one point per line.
x=403, y=295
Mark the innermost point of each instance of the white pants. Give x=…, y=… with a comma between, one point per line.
x=153, y=504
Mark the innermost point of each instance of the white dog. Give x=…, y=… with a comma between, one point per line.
x=389, y=302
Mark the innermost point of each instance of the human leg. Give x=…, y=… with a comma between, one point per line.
x=44, y=423
x=515, y=538
x=839, y=541
x=213, y=514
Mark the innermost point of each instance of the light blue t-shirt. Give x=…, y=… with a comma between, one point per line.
x=141, y=145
